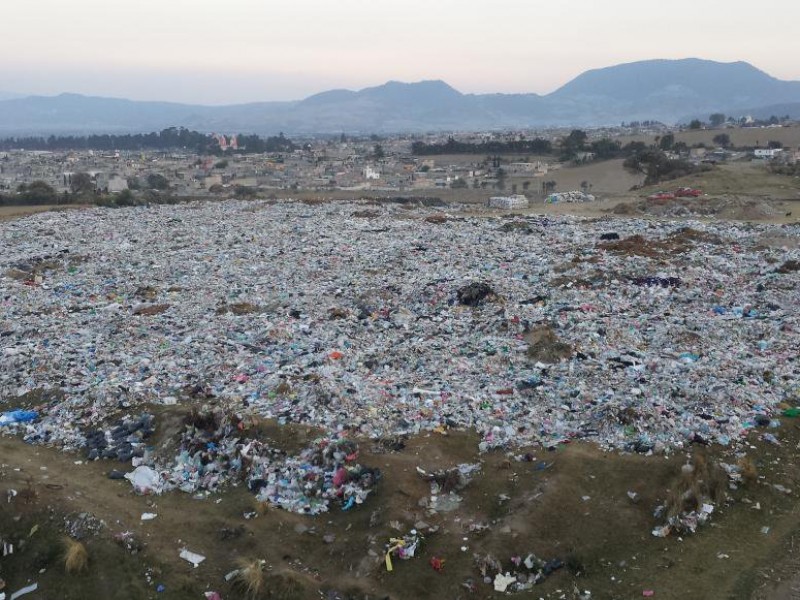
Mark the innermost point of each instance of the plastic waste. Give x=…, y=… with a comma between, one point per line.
x=18, y=416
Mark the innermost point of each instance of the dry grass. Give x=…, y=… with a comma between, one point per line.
x=699, y=482
x=251, y=579
x=255, y=582
x=748, y=470
x=76, y=557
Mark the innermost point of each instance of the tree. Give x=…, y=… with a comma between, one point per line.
x=667, y=142
x=81, y=184
x=696, y=124
x=656, y=167
x=37, y=192
x=156, y=181
x=223, y=164
x=774, y=145
x=378, y=152
x=125, y=198
x=243, y=191
x=573, y=143
x=680, y=147
x=722, y=139
x=606, y=148
x=716, y=119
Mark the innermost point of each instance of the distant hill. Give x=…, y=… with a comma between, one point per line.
x=662, y=90
x=665, y=89
x=5, y=95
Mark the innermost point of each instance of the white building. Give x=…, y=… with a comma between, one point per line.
x=767, y=152
x=508, y=202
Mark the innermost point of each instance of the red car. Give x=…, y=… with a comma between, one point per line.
x=662, y=196
x=687, y=192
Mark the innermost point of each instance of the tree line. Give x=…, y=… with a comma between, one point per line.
x=452, y=146
x=172, y=138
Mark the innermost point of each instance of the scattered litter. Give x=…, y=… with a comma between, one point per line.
x=403, y=548
x=519, y=574
x=437, y=564
x=192, y=557
x=501, y=582
x=26, y=590
x=148, y=516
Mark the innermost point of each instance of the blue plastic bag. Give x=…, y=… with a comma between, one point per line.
x=18, y=416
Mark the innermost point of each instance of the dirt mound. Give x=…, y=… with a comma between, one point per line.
x=476, y=293
x=790, y=266
x=516, y=227
x=636, y=245
x=544, y=345
x=687, y=235
x=744, y=209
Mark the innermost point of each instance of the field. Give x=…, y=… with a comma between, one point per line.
x=14, y=212
x=740, y=136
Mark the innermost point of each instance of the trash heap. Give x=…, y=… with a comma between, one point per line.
x=214, y=451
x=394, y=325
x=320, y=475
x=575, y=196
x=517, y=574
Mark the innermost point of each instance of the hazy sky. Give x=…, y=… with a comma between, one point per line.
x=226, y=51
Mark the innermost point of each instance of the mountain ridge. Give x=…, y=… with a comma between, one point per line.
x=659, y=89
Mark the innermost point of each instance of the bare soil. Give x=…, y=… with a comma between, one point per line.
x=570, y=503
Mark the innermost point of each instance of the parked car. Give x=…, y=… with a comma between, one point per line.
x=661, y=196
x=687, y=192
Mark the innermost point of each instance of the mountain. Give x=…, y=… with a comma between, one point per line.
x=663, y=90
x=5, y=95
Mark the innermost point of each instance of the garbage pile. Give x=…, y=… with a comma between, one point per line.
x=517, y=574
x=576, y=196
x=214, y=451
x=325, y=473
x=382, y=327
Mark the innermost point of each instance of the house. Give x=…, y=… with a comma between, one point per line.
x=117, y=184
x=371, y=172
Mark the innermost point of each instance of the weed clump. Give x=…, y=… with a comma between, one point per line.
x=76, y=557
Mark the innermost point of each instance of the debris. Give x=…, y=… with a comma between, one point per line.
x=145, y=480
x=501, y=582
x=18, y=416
x=403, y=548
x=437, y=564
x=26, y=590
x=192, y=557
x=475, y=293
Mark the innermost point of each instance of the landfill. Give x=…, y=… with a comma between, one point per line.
x=669, y=334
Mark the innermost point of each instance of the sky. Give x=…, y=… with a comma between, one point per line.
x=234, y=51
